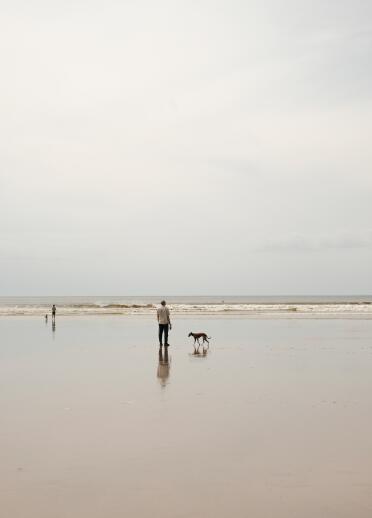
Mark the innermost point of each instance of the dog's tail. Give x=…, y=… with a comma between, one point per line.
x=209, y=337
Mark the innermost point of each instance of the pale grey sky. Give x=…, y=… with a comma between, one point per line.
x=183, y=147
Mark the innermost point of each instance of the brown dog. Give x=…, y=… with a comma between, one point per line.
x=197, y=337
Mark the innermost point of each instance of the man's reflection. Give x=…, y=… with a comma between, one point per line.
x=53, y=326
x=164, y=366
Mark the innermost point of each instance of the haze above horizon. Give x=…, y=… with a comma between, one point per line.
x=174, y=147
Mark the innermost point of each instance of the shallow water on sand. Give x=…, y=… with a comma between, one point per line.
x=273, y=421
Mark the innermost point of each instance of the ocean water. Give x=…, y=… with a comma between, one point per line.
x=279, y=306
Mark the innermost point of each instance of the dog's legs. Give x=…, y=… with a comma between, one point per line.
x=205, y=340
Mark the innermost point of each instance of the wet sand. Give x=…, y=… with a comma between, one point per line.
x=274, y=421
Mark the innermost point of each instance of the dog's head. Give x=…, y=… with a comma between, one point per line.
x=190, y=334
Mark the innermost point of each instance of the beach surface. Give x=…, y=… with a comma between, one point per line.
x=274, y=420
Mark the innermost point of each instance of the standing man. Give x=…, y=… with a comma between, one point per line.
x=54, y=312
x=164, y=323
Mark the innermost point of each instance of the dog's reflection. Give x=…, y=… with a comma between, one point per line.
x=164, y=366
x=200, y=354
x=203, y=353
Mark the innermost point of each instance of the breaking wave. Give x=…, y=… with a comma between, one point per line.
x=280, y=309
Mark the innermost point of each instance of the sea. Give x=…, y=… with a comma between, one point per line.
x=270, y=306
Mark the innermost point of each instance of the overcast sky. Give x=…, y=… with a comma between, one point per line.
x=186, y=147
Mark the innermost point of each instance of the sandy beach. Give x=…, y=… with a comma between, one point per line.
x=273, y=421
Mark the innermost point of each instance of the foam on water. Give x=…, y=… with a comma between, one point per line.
x=248, y=306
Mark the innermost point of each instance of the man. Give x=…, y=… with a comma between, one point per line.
x=53, y=312
x=164, y=323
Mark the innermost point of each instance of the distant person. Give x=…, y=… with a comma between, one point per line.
x=54, y=309
x=46, y=317
x=164, y=323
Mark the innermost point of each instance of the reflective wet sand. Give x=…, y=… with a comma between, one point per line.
x=274, y=420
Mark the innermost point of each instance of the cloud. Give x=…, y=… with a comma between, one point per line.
x=305, y=243
x=176, y=139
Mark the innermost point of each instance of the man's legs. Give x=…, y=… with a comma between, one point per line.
x=161, y=329
x=166, y=334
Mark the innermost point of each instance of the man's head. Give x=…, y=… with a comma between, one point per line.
x=163, y=303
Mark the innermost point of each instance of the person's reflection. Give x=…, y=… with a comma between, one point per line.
x=164, y=366
x=53, y=326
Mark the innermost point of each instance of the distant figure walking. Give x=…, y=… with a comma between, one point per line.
x=54, y=312
x=46, y=317
x=164, y=323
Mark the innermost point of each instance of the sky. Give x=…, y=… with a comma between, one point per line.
x=185, y=147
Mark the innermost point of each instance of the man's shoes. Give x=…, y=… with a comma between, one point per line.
x=167, y=345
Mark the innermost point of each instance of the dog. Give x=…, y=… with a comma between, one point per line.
x=197, y=336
